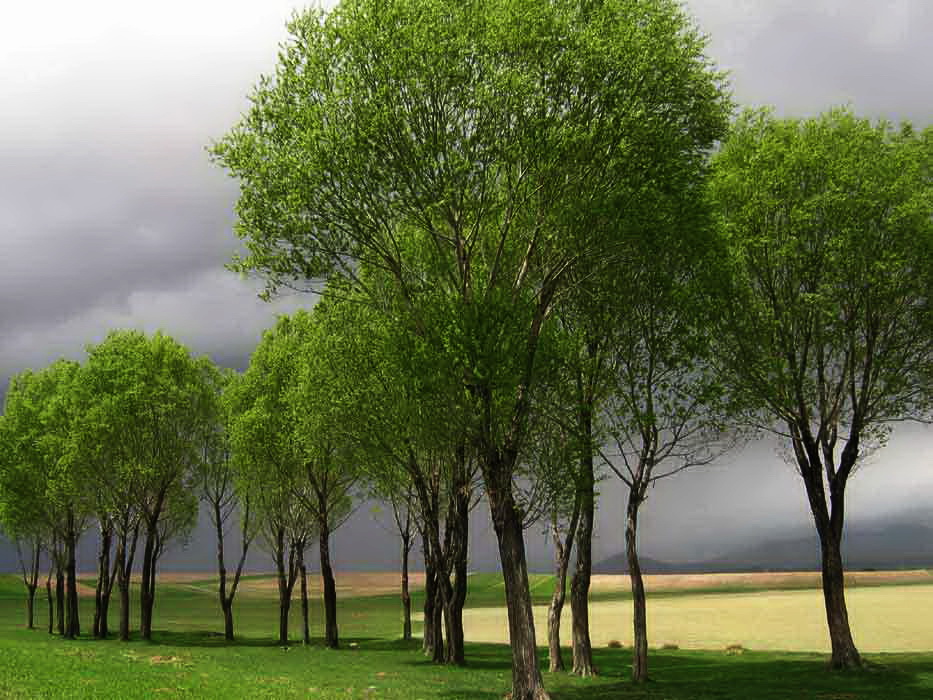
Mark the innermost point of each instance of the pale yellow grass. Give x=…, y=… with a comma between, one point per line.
x=884, y=618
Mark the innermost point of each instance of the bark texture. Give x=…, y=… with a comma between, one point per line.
x=330, y=589
x=639, y=613
x=563, y=545
x=527, y=683
x=580, y=586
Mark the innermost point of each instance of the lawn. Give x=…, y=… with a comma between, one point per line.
x=189, y=659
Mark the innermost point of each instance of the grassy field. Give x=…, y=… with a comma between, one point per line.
x=189, y=659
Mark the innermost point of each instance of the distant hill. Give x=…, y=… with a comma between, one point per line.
x=882, y=546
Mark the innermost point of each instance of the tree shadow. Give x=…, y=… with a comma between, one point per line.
x=679, y=675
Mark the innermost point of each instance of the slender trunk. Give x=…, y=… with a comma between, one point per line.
x=30, y=606
x=102, y=592
x=285, y=591
x=845, y=655
x=406, y=596
x=580, y=585
x=227, y=609
x=430, y=586
x=527, y=683
x=225, y=603
x=146, y=587
x=60, y=597
x=437, y=651
x=639, y=616
x=124, y=566
x=48, y=595
x=306, y=628
x=829, y=520
x=330, y=589
x=30, y=577
x=562, y=550
x=72, y=623
x=458, y=524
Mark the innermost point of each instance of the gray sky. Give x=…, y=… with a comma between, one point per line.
x=111, y=215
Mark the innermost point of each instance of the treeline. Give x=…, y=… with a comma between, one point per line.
x=546, y=255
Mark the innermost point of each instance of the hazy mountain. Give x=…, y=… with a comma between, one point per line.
x=888, y=545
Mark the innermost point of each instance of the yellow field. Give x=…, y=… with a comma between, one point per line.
x=884, y=618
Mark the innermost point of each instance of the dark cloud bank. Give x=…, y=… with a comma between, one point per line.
x=111, y=216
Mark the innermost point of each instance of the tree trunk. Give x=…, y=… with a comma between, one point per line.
x=48, y=595
x=844, y=653
x=330, y=589
x=30, y=606
x=639, y=616
x=562, y=550
x=303, y=572
x=406, y=596
x=227, y=607
x=60, y=597
x=458, y=523
x=72, y=622
x=147, y=586
x=437, y=651
x=829, y=520
x=102, y=591
x=527, y=683
x=430, y=586
x=580, y=585
x=285, y=591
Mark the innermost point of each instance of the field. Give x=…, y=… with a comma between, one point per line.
x=189, y=659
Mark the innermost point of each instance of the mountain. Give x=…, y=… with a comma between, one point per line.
x=893, y=545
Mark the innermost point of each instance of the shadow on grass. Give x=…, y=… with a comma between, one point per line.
x=718, y=676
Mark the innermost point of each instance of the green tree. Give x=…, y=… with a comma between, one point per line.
x=218, y=481
x=153, y=402
x=22, y=513
x=41, y=474
x=479, y=153
x=266, y=454
x=829, y=224
x=666, y=411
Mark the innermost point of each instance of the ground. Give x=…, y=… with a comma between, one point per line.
x=189, y=658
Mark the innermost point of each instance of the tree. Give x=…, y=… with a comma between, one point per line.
x=666, y=411
x=266, y=453
x=22, y=515
x=478, y=154
x=829, y=227
x=218, y=488
x=153, y=401
x=41, y=475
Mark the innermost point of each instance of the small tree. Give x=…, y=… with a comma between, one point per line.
x=226, y=502
x=829, y=227
x=666, y=411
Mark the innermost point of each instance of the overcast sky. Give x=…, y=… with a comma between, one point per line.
x=111, y=215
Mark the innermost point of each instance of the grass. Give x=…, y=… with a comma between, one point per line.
x=189, y=659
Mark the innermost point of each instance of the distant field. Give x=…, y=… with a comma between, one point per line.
x=892, y=618
x=189, y=658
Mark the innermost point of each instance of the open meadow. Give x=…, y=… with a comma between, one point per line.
x=189, y=658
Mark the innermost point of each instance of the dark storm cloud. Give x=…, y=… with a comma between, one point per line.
x=112, y=216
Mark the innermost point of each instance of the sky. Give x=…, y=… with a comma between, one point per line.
x=112, y=216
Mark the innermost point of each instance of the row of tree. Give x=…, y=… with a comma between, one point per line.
x=518, y=200
x=533, y=267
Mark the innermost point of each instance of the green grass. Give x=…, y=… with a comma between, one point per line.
x=189, y=659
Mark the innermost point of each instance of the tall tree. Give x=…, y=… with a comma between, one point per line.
x=265, y=450
x=41, y=473
x=478, y=154
x=829, y=225
x=226, y=502
x=667, y=411
x=154, y=399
